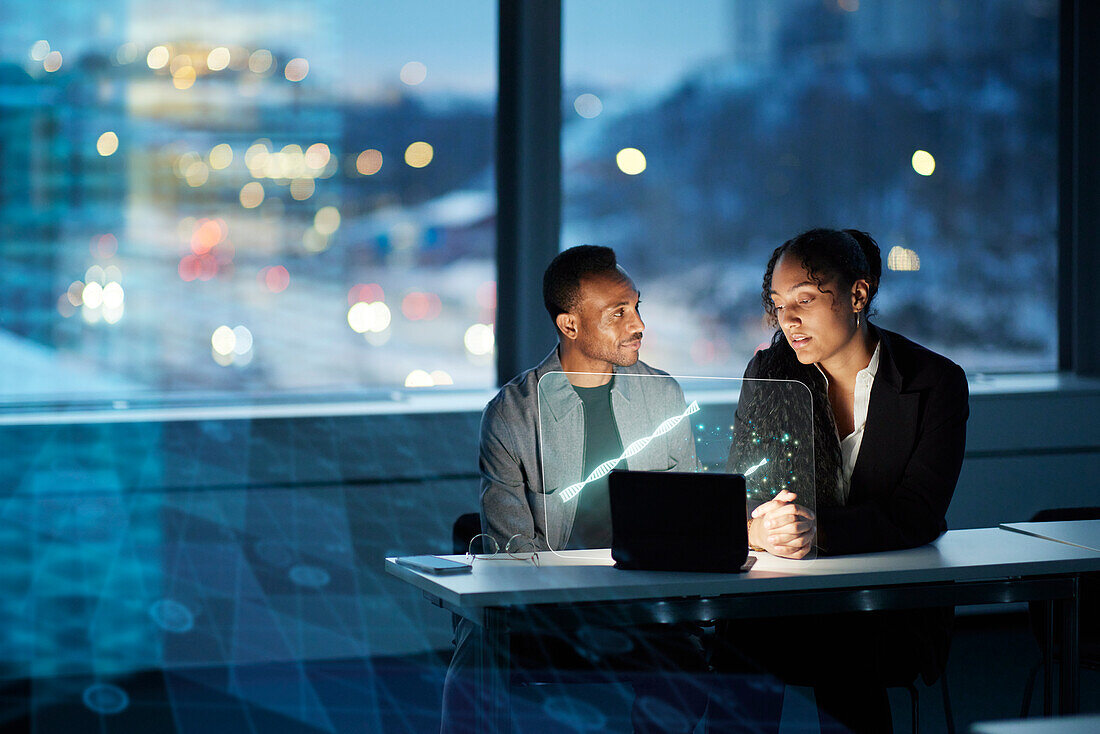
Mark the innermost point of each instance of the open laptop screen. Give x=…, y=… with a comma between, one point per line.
x=678, y=521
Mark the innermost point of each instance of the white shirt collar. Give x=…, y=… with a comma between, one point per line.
x=850, y=444
x=872, y=367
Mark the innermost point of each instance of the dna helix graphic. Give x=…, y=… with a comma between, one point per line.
x=754, y=467
x=635, y=448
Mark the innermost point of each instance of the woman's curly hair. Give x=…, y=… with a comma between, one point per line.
x=843, y=255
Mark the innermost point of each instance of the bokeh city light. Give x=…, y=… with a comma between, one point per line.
x=630, y=161
x=923, y=163
x=369, y=162
x=296, y=70
x=419, y=154
x=588, y=106
x=413, y=73
x=107, y=144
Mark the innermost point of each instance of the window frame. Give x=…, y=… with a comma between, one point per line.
x=1078, y=186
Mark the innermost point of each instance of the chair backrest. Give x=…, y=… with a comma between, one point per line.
x=465, y=528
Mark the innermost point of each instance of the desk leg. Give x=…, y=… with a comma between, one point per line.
x=1070, y=689
x=1050, y=607
x=496, y=671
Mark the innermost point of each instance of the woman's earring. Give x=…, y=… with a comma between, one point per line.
x=857, y=320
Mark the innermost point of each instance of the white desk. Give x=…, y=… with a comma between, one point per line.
x=1060, y=725
x=570, y=589
x=1081, y=533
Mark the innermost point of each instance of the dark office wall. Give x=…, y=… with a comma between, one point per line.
x=1028, y=451
x=240, y=453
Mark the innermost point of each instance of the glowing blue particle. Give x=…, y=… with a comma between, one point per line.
x=575, y=713
x=172, y=616
x=104, y=698
x=313, y=577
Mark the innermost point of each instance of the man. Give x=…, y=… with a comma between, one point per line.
x=584, y=416
x=544, y=432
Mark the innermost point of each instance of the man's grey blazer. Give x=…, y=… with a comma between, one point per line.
x=525, y=467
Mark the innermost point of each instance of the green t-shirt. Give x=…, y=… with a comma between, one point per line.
x=592, y=523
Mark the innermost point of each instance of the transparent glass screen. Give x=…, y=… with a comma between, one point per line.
x=591, y=425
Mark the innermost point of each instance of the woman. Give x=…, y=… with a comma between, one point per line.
x=889, y=422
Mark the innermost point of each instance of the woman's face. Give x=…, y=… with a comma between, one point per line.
x=817, y=325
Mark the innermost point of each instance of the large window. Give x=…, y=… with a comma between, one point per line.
x=275, y=199
x=699, y=136
x=261, y=198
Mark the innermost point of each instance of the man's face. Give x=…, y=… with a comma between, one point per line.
x=609, y=327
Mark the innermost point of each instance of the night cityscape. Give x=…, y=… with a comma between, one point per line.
x=156, y=193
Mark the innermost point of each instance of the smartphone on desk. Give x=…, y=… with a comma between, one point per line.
x=434, y=565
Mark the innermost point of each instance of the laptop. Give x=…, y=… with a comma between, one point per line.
x=678, y=521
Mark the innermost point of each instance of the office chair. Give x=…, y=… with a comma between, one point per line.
x=1089, y=613
x=902, y=671
x=914, y=701
x=466, y=527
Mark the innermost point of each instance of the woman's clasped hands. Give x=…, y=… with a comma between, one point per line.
x=782, y=527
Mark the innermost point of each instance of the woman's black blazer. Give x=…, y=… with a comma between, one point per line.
x=910, y=457
x=905, y=475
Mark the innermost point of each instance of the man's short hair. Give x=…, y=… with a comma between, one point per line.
x=561, y=283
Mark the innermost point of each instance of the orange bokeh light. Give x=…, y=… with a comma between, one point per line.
x=365, y=293
x=198, y=267
x=421, y=306
x=207, y=234
x=487, y=294
x=276, y=278
x=189, y=268
x=208, y=267
x=105, y=245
